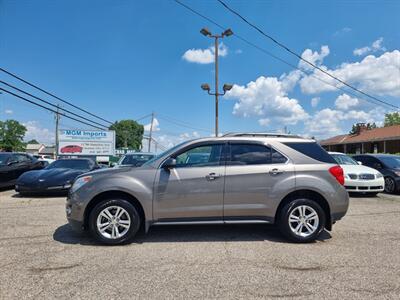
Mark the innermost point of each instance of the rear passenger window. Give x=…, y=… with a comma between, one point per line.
x=249, y=154
x=313, y=150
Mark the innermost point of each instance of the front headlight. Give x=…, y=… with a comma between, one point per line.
x=80, y=182
x=397, y=173
x=379, y=175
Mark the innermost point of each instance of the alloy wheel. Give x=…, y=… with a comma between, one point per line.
x=113, y=222
x=303, y=220
x=389, y=185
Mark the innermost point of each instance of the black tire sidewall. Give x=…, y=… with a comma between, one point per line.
x=133, y=214
x=394, y=185
x=284, y=217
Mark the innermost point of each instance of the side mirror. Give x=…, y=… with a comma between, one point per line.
x=170, y=163
x=377, y=166
x=359, y=162
x=13, y=162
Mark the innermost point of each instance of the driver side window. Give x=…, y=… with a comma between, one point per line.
x=201, y=156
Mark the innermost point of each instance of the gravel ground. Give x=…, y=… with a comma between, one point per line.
x=41, y=257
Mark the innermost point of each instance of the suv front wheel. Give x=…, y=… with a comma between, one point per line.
x=114, y=221
x=302, y=220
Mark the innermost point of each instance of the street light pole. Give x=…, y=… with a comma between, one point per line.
x=216, y=85
x=205, y=86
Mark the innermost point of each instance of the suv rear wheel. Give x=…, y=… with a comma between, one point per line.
x=114, y=221
x=302, y=220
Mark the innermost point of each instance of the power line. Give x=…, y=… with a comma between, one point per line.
x=49, y=109
x=144, y=117
x=280, y=59
x=299, y=56
x=51, y=104
x=182, y=123
x=54, y=96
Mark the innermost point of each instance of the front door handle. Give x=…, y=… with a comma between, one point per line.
x=212, y=176
x=275, y=171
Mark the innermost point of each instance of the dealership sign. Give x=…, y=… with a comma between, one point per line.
x=86, y=142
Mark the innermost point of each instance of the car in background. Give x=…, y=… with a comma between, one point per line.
x=387, y=164
x=13, y=164
x=46, y=158
x=359, y=178
x=56, y=178
x=71, y=149
x=134, y=159
x=240, y=178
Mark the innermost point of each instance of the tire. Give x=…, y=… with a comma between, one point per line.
x=293, y=210
x=390, y=185
x=123, y=221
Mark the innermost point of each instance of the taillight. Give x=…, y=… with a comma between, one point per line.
x=337, y=172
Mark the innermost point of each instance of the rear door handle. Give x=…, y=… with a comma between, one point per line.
x=275, y=171
x=212, y=176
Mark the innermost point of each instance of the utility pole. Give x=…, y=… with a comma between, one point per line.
x=57, y=117
x=151, y=130
x=205, y=86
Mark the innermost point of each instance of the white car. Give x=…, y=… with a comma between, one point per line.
x=359, y=178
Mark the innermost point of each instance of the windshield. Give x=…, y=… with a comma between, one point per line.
x=76, y=164
x=135, y=159
x=165, y=153
x=344, y=159
x=392, y=162
x=4, y=159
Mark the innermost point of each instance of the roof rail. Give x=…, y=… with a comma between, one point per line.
x=259, y=134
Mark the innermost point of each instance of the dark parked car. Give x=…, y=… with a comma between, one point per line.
x=56, y=178
x=12, y=165
x=387, y=164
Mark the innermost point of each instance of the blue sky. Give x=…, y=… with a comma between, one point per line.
x=125, y=59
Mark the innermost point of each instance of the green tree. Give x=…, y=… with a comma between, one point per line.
x=33, y=142
x=355, y=128
x=11, y=135
x=129, y=134
x=392, y=119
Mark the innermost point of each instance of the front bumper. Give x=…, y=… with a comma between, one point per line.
x=41, y=189
x=364, y=186
x=75, y=213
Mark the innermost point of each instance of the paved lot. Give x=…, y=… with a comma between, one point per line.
x=40, y=257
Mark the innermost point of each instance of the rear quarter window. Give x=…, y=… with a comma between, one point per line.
x=312, y=150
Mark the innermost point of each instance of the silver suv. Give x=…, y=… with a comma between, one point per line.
x=246, y=178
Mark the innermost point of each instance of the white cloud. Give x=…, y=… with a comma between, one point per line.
x=378, y=75
x=37, y=132
x=342, y=31
x=8, y=112
x=156, y=126
x=204, y=56
x=170, y=140
x=238, y=51
x=328, y=122
x=374, y=47
x=344, y=102
x=266, y=98
x=315, y=58
x=315, y=101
